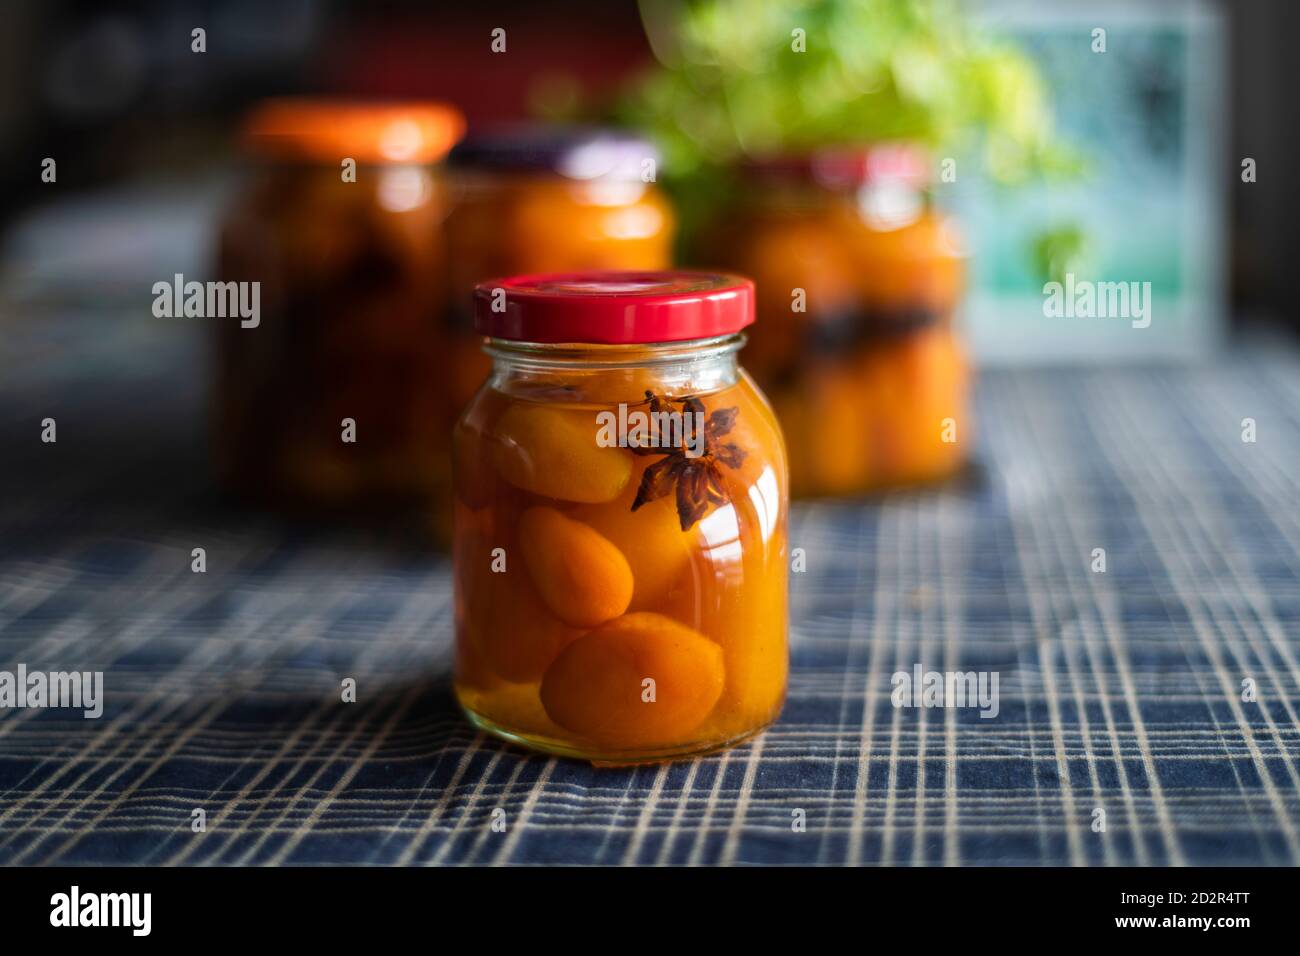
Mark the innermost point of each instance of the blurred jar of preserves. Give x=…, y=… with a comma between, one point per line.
x=858, y=277
x=330, y=401
x=534, y=199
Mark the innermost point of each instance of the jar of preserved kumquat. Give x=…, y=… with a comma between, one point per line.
x=620, y=525
x=858, y=278
x=328, y=401
x=531, y=199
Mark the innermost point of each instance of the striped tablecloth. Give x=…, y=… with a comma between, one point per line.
x=1120, y=692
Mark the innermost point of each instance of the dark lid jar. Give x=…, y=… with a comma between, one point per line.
x=533, y=199
x=620, y=527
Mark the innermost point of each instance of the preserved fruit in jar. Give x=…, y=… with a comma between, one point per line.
x=620, y=526
x=532, y=199
x=340, y=220
x=858, y=279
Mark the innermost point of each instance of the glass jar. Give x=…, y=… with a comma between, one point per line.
x=620, y=520
x=534, y=199
x=328, y=401
x=858, y=278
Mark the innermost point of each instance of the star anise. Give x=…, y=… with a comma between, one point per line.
x=698, y=478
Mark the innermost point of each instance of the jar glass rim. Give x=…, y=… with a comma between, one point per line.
x=591, y=355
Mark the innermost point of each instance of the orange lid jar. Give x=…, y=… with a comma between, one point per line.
x=620, y=520
x=533, y=199
x=328, y=401
x=858, y=277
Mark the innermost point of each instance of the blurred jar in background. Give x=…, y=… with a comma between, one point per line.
x=340, y=219
x=533, y=199
x=858, y=278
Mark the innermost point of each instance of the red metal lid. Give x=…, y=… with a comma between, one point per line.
x=614, y=308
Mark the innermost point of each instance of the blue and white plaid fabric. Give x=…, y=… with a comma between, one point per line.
x=1120, y=691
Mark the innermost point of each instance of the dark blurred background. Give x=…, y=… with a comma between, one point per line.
x=1262, y=79
x=112, y=90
